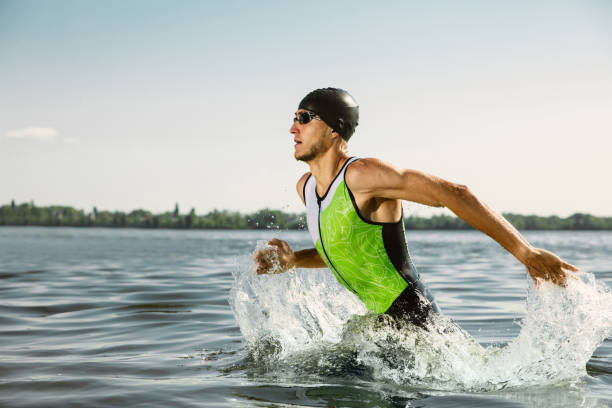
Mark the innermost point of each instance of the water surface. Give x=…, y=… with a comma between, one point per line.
x=109, y=317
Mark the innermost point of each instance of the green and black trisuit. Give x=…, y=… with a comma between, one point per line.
x=369, y=258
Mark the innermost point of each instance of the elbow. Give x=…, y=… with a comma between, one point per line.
x=457, y=192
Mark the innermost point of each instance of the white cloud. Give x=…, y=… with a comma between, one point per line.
x=33, y=133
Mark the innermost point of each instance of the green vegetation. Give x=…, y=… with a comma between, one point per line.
x=522, y=222
x=30, y=214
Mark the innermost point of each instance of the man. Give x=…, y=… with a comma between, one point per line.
x=354, y=215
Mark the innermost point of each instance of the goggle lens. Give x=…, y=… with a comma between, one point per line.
x=304, y=117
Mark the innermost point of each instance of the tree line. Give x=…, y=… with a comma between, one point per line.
x=55, y=215
x=574, y=222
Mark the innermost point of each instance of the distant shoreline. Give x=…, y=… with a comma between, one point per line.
x=25, y=214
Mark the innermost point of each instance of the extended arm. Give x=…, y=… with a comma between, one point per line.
x=374, y=178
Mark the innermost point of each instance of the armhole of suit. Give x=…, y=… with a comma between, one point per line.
x=356, y=208
x=304, y=188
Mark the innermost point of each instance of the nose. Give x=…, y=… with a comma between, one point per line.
x=293, y=129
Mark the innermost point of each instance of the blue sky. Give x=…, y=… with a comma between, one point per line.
x=141, y=104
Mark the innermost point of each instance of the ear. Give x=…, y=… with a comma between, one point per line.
x=340, y=123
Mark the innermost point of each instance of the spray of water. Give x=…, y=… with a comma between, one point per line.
x=303, y=324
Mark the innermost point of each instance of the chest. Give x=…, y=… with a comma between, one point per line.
x=330, y=218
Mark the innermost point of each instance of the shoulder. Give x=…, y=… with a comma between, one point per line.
x=300, y=186
x=368, y=165
x=368, y=173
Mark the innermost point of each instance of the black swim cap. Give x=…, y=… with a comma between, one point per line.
x=336, y=107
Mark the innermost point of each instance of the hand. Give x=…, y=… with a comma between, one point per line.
x=277, y=258
x=543, y=265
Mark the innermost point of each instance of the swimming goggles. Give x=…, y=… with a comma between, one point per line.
x=305, y=117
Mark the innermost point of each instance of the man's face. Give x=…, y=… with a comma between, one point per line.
x=311, y=139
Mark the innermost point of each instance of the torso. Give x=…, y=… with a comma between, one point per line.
x=370, y=258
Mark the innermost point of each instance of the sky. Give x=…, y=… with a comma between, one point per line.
x=144, y=104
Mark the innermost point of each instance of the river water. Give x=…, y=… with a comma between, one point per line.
x=125, y=317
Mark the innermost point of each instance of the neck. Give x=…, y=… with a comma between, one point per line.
x=326, y=166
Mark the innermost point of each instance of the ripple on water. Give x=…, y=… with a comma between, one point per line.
x=141, y=318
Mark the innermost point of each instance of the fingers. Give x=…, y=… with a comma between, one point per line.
x=262, y=264
x=276, y=242
x=554, y=275
x=561, y=279
x=560, y=276
x=557, y=276
x=264, y=258
x=572, y=270
x=261, y=261
x=283, y=245
x=538, y=283
x=570, y=267
x=546, y=266
x=557, y=279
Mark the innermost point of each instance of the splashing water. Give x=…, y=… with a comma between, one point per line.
x=304, y=324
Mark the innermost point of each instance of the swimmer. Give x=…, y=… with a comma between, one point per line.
x=354, y=215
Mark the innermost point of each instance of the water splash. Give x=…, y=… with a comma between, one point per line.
x=303, y=324
x=297, y=310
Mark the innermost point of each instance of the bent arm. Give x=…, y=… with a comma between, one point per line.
x=308, y=258
x=279, y=258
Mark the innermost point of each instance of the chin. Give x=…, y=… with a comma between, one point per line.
x=303, y=157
